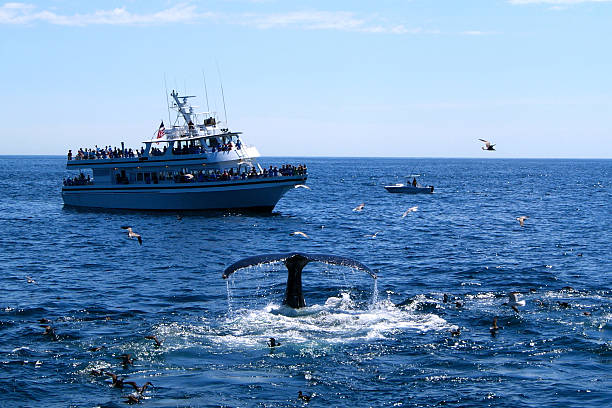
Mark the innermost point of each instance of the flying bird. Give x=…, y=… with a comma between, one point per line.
x=408, y=211
x=301, y=186
x=514, y=302
x=273, y=343
x=359, y=207
x=117, y=382
x=155, y=339
x=372, y=235
x=300, y=233
x=132, y=234
x=522, y=219
x=138, y=389
x=488, y=145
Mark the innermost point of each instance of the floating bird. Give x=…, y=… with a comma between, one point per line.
x=138, y=389
x=522, y=219
x=126, y=359
x=303, y=397
x=408, y=211
x=132, y=234
x=514, y=302
x=586, y=313
x=359, y=207
x=49, y=331
x=30, y=280
x=117, y=382
x=445, y=298
x=97, y=372
x=97, y=348
x=456, y=332
x=132, y=399
x=43, y=320
x=458, y=304
x=373, y=235
x=273, y=343
x=154, y=338
x=494, y=328
x=300, y=233
x=488, y=145
x=301, y=186
x=564, y=305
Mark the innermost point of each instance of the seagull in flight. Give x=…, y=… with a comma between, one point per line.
x=522, y=219
x=359, y=207
x=372, y=235
x=514, y=302
x=411, y=209
x=301, y=186
x=488, y=145
x=132, y=234
x=300, y=233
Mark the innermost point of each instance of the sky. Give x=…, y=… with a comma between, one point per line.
x=403, y=78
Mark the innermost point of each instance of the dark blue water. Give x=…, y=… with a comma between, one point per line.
x=356, y=344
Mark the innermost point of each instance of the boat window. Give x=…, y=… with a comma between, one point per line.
x=138, y=176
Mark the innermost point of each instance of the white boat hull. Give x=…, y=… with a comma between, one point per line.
x=257, y=194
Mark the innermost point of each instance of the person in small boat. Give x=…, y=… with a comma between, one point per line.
x=414, y=183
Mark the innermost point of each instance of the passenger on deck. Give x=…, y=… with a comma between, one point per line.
x=414, y=183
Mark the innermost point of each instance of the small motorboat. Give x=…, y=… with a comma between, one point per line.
x=410, y=188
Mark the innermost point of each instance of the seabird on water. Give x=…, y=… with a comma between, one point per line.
x=303, y=397
x=514, y=302
x=273, y=343
x=126, y=359
x=132, y=234
x=301, y=186
x=132, y=398
x=488, y=145
x=494, y=328
x=155, y=339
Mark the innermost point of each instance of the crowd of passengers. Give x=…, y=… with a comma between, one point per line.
x=194, y=149
x=79, y=180
x=231, y=174
x=112, y=153
x=107, y=152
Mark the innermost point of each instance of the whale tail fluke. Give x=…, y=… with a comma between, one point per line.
x=295, y=262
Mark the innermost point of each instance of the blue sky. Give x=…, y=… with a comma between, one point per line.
x=411, y=78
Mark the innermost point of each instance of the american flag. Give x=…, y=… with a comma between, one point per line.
x=162, y=130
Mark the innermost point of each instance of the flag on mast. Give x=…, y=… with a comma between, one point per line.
x=162, y=130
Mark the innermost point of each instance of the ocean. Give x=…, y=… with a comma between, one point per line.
x=389, y=342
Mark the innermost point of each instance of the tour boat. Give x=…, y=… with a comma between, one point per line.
x=194, y=164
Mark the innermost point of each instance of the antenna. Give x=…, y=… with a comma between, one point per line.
x=167, y=101
x=205, y=91
x=222, y=95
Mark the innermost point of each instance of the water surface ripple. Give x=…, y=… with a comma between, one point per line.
x=356, y=344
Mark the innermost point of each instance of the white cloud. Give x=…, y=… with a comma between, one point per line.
x=24, y=14
x=557, y=1
x=21, y=13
